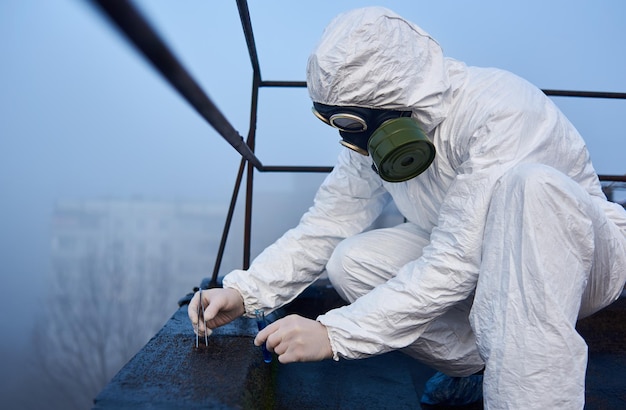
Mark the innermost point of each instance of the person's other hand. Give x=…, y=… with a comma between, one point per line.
x=296, y=339
x=221, y=306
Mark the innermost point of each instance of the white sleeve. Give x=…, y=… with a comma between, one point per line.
x=346, y=203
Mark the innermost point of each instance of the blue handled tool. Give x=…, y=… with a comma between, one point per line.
x=261, y=323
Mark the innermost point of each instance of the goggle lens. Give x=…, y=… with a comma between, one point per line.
x=348, y=122
x=343, y=121
x=352, y=123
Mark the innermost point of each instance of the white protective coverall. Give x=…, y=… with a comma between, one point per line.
x=509, y=221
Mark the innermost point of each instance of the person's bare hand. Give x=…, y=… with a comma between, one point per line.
x=296, y=339
x=221, y=306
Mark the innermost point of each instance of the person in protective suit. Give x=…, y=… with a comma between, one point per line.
x=508, y=238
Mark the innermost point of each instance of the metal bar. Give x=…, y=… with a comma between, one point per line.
x=289, y=168
x=301, y=84
x=246, y=24
x=144, y=37
x=247, y=233
x=297, y=168
x=587, y=94
x=554, y=93
x=614, y=178
x=247, y=237
x=229, y=219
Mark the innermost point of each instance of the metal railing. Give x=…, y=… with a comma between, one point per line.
x=139, y=32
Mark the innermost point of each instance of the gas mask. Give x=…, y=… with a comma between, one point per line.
x=398, y=146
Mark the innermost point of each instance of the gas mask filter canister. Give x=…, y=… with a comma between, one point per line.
x=399, y=147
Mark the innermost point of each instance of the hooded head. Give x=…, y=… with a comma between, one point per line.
x=373, y=58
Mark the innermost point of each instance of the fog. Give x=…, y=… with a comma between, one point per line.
x=85, y=117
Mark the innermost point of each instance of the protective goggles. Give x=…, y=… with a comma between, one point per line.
x=355, y=124
x=399, y=148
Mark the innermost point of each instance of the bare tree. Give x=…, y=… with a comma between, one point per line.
x=96, y=317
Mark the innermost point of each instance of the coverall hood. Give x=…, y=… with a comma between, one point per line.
x=371, y=57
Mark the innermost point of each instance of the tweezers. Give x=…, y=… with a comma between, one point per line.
x=201, y=315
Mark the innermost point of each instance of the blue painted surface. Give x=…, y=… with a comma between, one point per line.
x=169, y=372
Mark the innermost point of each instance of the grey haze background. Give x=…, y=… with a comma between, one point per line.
x=82, y=115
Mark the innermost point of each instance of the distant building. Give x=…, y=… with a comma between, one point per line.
x=176, y=239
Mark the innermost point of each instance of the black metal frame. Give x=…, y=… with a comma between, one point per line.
x=137, y=29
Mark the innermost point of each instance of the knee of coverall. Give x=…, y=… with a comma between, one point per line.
x=549, y=188
x=604, y=280
x=533, y=271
